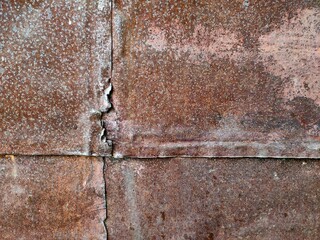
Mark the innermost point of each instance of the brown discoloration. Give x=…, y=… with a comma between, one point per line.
x=306, y=111
x=213, y=199
x=51, y=198
x=194, y=76
x=50, y=76
x=33, y=3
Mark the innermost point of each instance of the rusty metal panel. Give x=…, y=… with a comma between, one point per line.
x=52, y=198
x=216, y=78
x=55, y=64
x=213, y=199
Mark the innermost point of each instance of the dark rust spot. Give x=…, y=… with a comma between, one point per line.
x=271, y=121
x=33, y=3
x=305, y=111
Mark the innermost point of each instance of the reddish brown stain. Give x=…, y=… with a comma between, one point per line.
x=305, y=111
x=52, y=198
x=272, y=199
x=49, y=77
x=201, y=73
x=33, y=3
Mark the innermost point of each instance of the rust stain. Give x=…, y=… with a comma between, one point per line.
x=207, y=78
x=51, y=76
x=210, y=78
x=48, y=200
x=201, y=198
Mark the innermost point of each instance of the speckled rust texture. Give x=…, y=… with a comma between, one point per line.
x=54, y=64
x=51, y=198
x=216, y=78
x=213, y=199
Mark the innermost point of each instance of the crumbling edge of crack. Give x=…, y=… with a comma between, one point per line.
x=101, y=144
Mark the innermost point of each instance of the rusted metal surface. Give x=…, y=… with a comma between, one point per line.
x=51, y=198
x=216, y=78
x=191, y=78
x=213, y=199
x=55, y=66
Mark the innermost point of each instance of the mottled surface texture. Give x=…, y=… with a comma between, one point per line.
x=213, y=199
x=121, y=85
x=51, y=198
x=216, y=78
x=54, y=65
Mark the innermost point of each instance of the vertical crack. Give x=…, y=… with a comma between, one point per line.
x=105, y=195
x=111, y=38
x=104, y=135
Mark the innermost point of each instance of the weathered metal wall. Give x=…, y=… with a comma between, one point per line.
x=213, y=199
x=158, y=105
x=217, y=78
x=51, y=198
x=55, y=63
